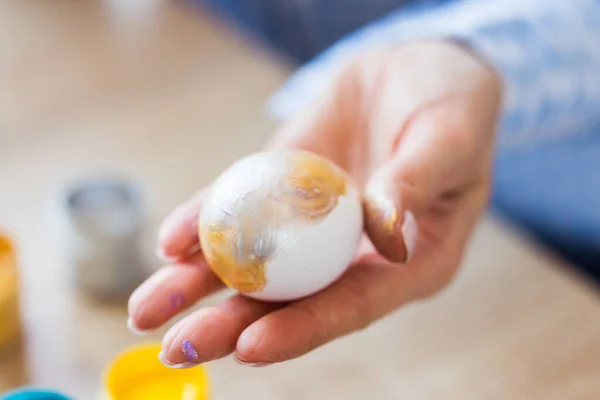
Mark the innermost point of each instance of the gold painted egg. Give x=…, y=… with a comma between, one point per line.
x=279, y=226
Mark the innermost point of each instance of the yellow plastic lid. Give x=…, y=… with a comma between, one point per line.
x=8, y=269
x=137, y=374
x=9, y=293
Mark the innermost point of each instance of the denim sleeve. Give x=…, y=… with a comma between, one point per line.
x=546, y=51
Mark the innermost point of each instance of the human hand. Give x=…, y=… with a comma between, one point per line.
x=414, y=127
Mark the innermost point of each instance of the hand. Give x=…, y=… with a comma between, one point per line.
x=414, y=126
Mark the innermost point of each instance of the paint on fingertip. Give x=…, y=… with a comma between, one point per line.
x=134, y=329
x=189, y=351
x=176, y=301
x=249, y=364
x=409, y=233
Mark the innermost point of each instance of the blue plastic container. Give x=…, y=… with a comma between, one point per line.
x=33, y=394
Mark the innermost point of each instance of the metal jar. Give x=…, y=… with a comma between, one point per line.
x=104, y=221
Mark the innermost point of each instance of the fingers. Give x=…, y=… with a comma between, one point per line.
x=210, y=333
x=371, y=288
x=434, y=157
x=265, y=333
x=178, y=234
x=367, y=291
x=168, y=292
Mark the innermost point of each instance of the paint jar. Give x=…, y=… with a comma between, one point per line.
x=33, y=394
x=104, y=222
x=137, y=374
x=10, y=321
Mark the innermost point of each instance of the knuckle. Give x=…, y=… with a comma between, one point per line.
x=320, y=329
x=412, y=188
x=312, y=318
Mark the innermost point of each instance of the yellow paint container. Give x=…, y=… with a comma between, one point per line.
x=10, y=321
x=137, y=374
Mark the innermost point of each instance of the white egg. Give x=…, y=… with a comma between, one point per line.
x=278, y=226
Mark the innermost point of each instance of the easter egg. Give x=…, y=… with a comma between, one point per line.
x=278, y=226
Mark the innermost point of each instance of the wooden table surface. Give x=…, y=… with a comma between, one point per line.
x=163, y=95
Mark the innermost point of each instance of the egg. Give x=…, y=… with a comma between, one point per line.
x=282, y=225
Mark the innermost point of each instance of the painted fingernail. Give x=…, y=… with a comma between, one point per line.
x=134, y=329
x=382, y=221
x=248, y=364
x=166, y=363
x=410, y=232
x=381, y=204
x=189, y=351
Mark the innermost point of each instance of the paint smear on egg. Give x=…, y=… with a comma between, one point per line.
x=261, y=222
x=315, y=186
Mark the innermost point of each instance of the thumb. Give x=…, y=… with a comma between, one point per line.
x=427, y=163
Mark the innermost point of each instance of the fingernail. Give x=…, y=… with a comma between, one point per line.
x=189, y=351
x=381, y=202
x=134, y=329
x=382, y=221
x=253, y=365
x=160, y=254
x=163, y=360
x=409, y=233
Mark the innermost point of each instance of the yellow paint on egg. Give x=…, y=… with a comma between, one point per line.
x=246, y=275
x=316, y=185
x=239, y=241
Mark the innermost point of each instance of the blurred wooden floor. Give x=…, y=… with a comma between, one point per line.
x=165, y=96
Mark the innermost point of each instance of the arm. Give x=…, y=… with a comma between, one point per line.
x=546, y=51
